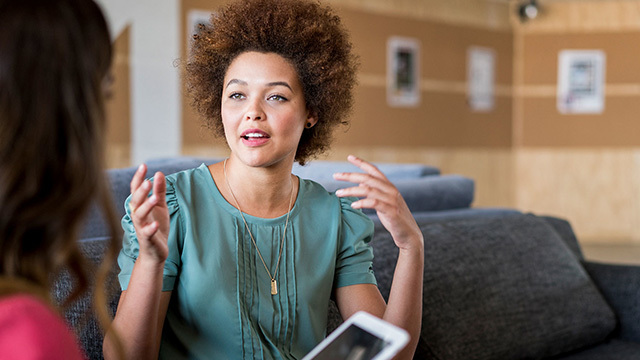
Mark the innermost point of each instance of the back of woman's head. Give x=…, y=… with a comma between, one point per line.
x=54, y=56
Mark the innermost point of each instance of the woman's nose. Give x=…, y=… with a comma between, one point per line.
x=254, y=111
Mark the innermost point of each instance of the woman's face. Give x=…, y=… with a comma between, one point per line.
x=263, y=109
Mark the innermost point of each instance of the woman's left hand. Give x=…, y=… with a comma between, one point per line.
x=378, y=193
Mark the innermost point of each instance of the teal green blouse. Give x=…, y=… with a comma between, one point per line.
x=221, y=305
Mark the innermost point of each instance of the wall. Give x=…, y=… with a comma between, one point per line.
x=154, y=102
x=442, y=131
x=523, y=154
x=583, y=167
x=118, y=104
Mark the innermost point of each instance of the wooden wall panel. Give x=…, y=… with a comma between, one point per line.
x=118, y=104
x=580, y=16
x=442, y=120
x=194, y=133
x=617, y=126
x=621, y=48
x=492, y=14
x=596, y=189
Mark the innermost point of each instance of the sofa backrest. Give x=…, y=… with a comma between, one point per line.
x=420, y=185
x=322, y=171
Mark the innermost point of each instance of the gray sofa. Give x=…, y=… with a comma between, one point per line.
x=499, y=284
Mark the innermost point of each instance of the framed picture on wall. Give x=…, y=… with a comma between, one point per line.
x=581, y=75
x=481, y=78
x=403, y=72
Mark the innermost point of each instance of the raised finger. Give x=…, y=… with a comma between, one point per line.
x=363, y=191
x=143, y=209
x=139, y=195
x=372, y=203
x=366, y=179
x=159, y=186
x=366, y=166
x=138, y=177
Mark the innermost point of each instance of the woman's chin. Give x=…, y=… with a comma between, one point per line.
x=265, y=159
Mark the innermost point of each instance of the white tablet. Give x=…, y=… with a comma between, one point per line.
x=362, y=337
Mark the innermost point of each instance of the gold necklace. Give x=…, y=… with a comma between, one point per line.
x=274, y=284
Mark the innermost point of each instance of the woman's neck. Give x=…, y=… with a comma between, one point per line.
x=260, y=191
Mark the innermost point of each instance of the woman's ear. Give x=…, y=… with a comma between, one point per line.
x=311, y=121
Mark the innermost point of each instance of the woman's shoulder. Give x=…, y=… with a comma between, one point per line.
x=183, y=183
x=316, y=193
x=198, y=174
x=31, y=329
x=321, y=197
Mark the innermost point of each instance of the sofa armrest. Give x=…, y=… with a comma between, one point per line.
x=620, y=286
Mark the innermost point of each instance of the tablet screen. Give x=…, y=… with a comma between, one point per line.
x=354, y=343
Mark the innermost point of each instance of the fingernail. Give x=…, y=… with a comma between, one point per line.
x=339, y=192
x=153, y=198
x=140, y=167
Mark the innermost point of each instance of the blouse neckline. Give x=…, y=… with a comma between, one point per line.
x=222, y=202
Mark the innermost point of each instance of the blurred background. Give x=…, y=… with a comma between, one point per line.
x=519, y=145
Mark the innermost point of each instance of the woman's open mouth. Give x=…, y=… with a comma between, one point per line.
x=254, y=137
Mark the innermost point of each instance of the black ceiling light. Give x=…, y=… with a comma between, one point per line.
x=528, y=10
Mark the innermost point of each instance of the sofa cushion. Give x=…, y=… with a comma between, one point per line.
x=424, y=217
x=614, y=349
x=563, y=228
x=79, y=315
x=501, y=288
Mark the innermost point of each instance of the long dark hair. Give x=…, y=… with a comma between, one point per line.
x=54, y=57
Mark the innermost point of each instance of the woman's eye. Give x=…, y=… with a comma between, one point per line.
x=277, y=98
x=236, y=96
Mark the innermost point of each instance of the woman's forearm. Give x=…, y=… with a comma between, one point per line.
x=140, y=314
x=404, y=307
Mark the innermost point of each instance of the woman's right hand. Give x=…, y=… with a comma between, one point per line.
x=150, y=215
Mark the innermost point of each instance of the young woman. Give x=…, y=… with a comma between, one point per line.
x=54, y=58
x=240, y=258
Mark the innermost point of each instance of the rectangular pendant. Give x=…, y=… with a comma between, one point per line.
x=274, y=287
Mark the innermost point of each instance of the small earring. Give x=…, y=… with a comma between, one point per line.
x=309, y=125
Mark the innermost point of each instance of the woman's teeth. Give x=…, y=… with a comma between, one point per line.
x=253, y=135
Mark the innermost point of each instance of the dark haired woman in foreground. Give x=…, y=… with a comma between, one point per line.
x=54, y=57
x=240, y=258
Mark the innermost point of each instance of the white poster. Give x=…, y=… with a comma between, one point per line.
x=403, y=72
x=581, y=81
x=481, y=78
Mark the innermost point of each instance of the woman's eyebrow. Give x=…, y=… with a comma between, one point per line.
x=236, y=81
x=271, y=84
x=279, y=83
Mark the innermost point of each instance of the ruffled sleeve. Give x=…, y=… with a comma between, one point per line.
x=131, y=247
x=355, y=256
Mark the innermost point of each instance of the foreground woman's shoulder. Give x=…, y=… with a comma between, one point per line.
x=31, y=329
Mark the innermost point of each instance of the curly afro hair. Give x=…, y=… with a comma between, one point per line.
x=305, y=33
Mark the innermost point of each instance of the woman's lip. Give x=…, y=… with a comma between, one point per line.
x=254, y=141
